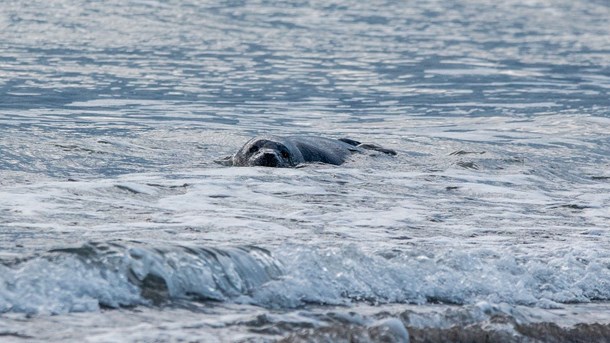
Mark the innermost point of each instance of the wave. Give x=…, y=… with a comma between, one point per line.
x=117, y=274
x=111, y=275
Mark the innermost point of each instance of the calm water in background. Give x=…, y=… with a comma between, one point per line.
x=116, y=224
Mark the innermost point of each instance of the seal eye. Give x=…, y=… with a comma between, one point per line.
x=253, y=149
x=285, y=154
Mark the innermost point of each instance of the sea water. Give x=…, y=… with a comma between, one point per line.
x=492, y=222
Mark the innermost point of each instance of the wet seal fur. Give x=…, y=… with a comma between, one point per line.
x=290, y=151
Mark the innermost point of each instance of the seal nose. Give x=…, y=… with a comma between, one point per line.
x=269, y=159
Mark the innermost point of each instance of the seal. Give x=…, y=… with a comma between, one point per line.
x=290, y=151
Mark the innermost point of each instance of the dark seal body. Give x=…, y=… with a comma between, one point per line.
x=290, y=151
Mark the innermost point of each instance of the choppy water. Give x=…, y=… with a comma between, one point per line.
x=491, y=222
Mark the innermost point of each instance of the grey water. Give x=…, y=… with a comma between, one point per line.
x=491, y=222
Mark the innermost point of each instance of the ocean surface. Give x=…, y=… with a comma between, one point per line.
x=492, y=223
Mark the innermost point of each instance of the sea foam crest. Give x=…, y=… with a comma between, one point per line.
x=346, y=274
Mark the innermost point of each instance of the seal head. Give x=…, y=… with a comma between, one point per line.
x=268, y=151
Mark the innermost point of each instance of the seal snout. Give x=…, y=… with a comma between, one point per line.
x=267, y=158
x=270, y=159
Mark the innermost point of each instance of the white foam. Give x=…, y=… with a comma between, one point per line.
x=469, y=276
